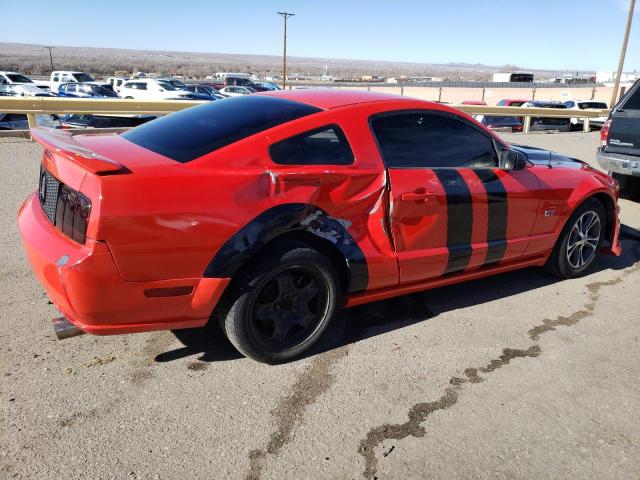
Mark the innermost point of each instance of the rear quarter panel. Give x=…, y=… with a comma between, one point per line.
x=169, y=222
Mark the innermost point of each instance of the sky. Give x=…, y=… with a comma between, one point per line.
x=554, y=34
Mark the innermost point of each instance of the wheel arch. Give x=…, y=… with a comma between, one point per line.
x=605, y=198
x=296, y=221
x=610, y=208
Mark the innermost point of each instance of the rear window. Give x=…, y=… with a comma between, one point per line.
x=83, y=77
x=587, y=105
x=188, y=134
x=632, y=99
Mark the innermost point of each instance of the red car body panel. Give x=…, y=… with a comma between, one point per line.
x=157, y=227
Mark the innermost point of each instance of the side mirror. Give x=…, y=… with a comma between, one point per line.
x=512, y=160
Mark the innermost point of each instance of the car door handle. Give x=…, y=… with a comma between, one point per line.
x=415, y=196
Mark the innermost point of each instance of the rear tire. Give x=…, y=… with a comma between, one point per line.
x=280, y=306
x=579, y=241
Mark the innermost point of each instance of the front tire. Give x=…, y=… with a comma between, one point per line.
x=279, y=307
x=579, y=241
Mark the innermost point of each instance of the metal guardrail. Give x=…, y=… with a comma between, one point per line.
x=32, y=106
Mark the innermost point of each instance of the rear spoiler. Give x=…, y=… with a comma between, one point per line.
x=62, y=143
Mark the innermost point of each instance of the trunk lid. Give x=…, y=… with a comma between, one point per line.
x=97, y=154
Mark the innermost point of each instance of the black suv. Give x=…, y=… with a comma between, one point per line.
x=620, y=150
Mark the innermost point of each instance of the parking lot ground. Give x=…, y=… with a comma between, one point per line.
x=518, y=376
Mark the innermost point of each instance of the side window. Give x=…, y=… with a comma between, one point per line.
x=430, y=140
x=324, y=146
x=56, y=77
x=142, y=86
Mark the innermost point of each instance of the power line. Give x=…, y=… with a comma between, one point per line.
x=285, y=15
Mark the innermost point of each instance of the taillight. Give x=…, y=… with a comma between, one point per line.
x=72, y=213
x=604, y=132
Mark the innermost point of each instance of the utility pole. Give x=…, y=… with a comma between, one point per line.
x=285, y=15
x=614, y=94
x=50, y=57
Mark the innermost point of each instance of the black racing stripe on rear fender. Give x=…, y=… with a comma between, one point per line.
x=498, y=205
x=459, y=218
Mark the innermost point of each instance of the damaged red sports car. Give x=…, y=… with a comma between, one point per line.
x=268, y=212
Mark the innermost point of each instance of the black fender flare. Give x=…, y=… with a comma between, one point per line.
x=288, y=218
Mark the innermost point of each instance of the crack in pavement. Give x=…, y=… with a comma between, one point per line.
x=420, y=411
x=289, y=411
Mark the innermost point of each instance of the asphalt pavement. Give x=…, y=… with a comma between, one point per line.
x=517, y=376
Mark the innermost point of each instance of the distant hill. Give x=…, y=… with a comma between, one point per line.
x=32, y=59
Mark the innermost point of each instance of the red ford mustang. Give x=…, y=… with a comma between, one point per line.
x=267, y=212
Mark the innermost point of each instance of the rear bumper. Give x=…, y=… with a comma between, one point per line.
x=84, y=284
x=619, y=162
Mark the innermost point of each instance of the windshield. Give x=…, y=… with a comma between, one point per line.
x=547, y=105
x=100, y=90
x=83, y=77
x=17, y=78
x=586, y=105
x=495, y=120
x=178, y=84
x=167, y=86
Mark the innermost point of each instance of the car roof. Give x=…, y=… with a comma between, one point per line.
x=329, y=98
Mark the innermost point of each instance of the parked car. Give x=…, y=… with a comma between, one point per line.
x=509, y=102
x=265, y=213
x=59, y=77
x=267, y=86
x=152, y=89
x=103, y=121
x=232, y=81
x=16, y=78
x=85, y=90
x=177, y=84
x=204, y=92
x=212, y=91
x=496, y=121
x=235, y=91
x=619, y=153
x=18, y=121
x=587, y=105
x=23, y=90
x=541, y=124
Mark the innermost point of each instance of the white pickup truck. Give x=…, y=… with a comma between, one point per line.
x=15, y=78
x=59, y=77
